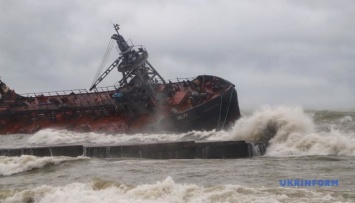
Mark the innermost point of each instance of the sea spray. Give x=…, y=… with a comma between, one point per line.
x=292, y=132
x=266, y=122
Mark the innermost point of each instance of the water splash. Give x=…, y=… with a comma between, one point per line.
x=292, y=132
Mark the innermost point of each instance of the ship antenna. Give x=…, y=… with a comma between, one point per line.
x=117, y=27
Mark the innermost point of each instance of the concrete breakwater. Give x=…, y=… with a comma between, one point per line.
x=159, y=150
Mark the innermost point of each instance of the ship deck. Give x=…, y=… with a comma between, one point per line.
x=98, y=111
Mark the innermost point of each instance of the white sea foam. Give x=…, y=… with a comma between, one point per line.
x=290, y=131
x=14, y=165
x=165, y=191
x=346, y=119
x=50, y=137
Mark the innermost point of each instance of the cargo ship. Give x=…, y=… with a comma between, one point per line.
x=140, y=102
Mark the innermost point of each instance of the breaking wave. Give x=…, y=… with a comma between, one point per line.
x=14, y=165
x=292, y=132
x=50, y=136
x=164, y=191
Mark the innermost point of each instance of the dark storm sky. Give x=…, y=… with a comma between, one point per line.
x=293, y=53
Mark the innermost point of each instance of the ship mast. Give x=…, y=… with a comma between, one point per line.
x=134, y=66
x=139, y=78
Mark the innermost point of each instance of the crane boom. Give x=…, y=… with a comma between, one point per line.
x=107, y=71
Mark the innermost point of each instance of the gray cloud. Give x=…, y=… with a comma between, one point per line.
x=276, y=52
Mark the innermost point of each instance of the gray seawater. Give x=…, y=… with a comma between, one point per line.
x=304, y=145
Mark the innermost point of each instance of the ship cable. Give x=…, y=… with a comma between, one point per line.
x=104, y=60
x=230, y=99
x=220, y=111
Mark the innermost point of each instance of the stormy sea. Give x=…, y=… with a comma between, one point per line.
x=306, y=149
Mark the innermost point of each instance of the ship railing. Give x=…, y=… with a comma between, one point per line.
x=181, y=79
x=140, y=48
x=69, y=92
x=55, y=93
x=108, y=88
x=129, y=42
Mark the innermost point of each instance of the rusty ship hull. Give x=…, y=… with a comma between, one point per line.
x=142, y=102
x=100, y=112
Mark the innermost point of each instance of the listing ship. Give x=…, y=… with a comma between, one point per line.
x=141, y=102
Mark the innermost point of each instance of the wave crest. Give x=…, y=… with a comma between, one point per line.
x=166, y=191
x=292, y=132
x=14, y=165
